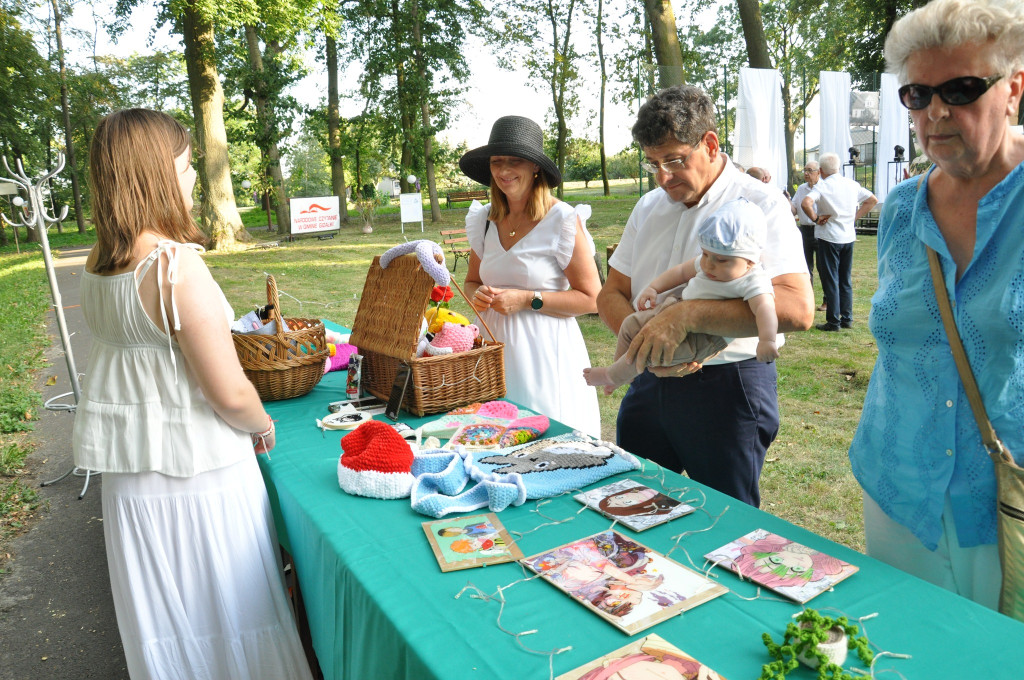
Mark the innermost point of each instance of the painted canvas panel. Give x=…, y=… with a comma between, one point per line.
x=633, y=504
x=622, y=581
x=649, y=658
x=473, y=541
x=790, y=569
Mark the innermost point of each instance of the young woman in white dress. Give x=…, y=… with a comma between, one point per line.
x=531, y=272
x=170, y=418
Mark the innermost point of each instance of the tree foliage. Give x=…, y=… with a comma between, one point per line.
x=25, y=81
x=539, y=37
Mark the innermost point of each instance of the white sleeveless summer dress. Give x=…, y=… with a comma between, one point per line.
x=544, y=355
x=197, y=586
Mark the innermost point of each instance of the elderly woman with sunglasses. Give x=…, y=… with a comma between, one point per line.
x=929, y=485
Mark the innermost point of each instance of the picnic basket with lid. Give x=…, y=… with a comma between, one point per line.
x=289, y=363
x=386, y=330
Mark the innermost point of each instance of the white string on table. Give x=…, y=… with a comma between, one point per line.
x=551, y=520
x=499, y=595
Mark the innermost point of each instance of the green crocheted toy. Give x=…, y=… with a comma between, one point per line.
x=801, y=643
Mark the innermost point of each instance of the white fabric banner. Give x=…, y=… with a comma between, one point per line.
x=834, y=99
x=893, y=129
x=760, y=128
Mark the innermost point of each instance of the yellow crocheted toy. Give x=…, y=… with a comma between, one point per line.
x=437, y=316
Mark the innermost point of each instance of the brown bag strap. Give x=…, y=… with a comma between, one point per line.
x=988, y=433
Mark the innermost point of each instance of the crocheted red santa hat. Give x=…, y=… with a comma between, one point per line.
x=375, y=462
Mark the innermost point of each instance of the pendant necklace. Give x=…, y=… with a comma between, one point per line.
x=512, y=233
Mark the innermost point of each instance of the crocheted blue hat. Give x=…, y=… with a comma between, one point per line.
x=737, y=229
x=496, y=480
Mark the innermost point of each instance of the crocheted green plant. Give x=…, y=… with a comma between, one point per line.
x=802, y=638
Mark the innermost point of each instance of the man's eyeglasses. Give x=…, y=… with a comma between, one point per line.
x=955, y=92
x=671, y=167
x=809, y=171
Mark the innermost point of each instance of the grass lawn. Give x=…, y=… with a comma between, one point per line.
x=822, y=376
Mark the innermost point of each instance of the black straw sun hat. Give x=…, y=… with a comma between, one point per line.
x=510, y=136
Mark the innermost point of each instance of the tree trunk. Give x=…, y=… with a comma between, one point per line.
x=334, y=129
x=666, y=42
x=405, y=115
x=220, y=216
x=559, y=68
x=753, y=34
x=604, y=85
x=428, y=134
x=266, y=136
x=66, y=112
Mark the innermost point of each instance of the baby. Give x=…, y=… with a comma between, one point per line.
x=731, y=240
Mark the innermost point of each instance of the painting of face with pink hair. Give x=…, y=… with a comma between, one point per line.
x=651, y=658
x=788, y=568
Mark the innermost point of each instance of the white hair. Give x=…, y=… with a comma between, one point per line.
x=829, y=163
x=952, y=23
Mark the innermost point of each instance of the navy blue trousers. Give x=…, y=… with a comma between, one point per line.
x=810, y=246
x=716, y=424
x=835, y=271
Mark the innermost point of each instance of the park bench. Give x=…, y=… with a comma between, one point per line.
x=867, y=225
x=463, y=196
x=457, y=243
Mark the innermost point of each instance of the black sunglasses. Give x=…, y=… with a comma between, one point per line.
x=955, y=92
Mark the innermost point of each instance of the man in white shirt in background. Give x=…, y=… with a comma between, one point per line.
x=812, y=174
x=835, y=204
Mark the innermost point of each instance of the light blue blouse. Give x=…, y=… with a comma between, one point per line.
x=917, y=437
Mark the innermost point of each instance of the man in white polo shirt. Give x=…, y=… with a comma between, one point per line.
x=715, y=421
x=835, y=204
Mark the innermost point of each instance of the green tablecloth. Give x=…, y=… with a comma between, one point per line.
x=379, y=608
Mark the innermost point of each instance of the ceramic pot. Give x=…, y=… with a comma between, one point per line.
x=367, y=229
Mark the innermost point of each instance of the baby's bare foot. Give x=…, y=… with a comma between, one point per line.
x=598, y=375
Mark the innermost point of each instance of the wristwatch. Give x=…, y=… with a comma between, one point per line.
x=538, y=300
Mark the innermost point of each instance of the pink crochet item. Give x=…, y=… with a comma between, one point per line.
x=453, y=338
x=339, y=359
x=498, y=409
x=524, y=430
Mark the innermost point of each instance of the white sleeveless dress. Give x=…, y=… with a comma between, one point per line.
x=197, y=585
x=544, y=355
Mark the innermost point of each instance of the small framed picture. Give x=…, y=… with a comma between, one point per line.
x=622, y=581
x=649, y=657
x=473, y=541
x=633, y=504
x=790, y=569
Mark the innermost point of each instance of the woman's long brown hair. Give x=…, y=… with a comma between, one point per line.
x=135, y=185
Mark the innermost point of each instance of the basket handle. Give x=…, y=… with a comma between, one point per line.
x=464, y=297
x=275, y=306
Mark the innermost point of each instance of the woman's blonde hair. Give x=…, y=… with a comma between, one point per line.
x=952, y=23
x=536, y=206
x=135, y=185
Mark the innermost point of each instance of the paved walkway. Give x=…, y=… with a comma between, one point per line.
x=56, y=612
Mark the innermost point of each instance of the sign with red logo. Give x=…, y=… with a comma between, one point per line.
x=311, y=215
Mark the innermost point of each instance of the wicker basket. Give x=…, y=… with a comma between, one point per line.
x=288, y=364
x=386, y=330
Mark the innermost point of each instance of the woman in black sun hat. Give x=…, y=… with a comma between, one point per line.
x=531, y=272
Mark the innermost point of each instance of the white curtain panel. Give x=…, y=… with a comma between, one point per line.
x=760, y=129
x=893, y=129
x=834, y=97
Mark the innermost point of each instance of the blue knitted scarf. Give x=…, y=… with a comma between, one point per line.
x=498, y=479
